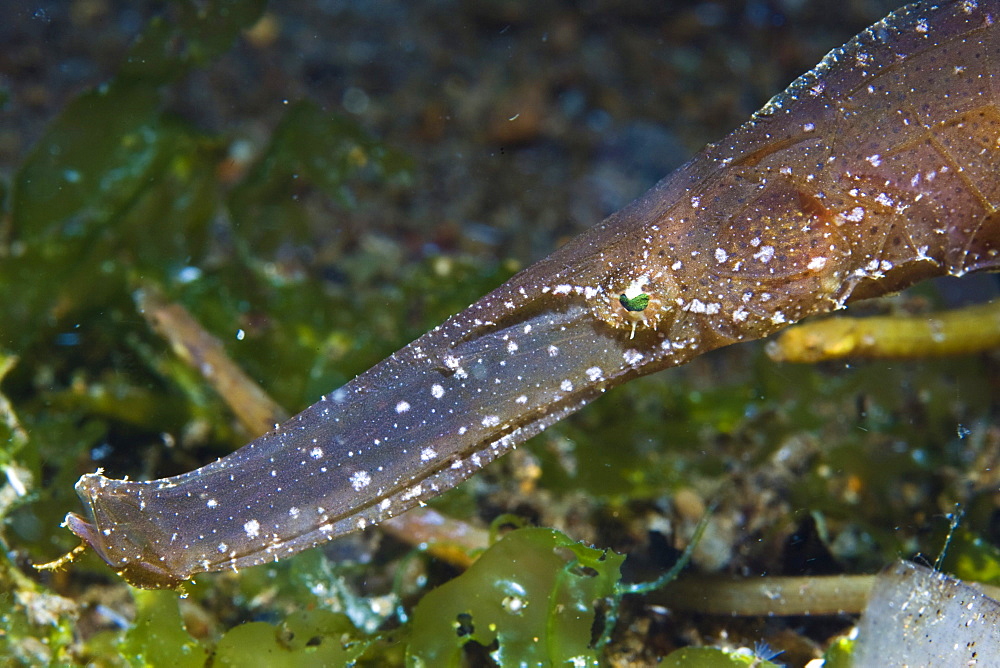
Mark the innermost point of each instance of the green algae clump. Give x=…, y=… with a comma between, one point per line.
x=528, y=600
x=306, y=638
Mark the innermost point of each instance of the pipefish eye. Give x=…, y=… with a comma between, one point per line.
x=631, y=304
x=634, y=304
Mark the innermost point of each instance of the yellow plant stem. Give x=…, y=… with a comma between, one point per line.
x=961, y=331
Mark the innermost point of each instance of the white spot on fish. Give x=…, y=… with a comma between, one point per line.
x=698, y=306
x=635, y=288
x=212, y=503
x=856, y=215
x=594, y=373
x=875, y=160
x=523, y=399
x=360, y=480
x=511, y=347
x=223, y=547
x=316, y=452
x=632, y=357
x=765, y=254
x=252, y=528
x=553, y=351
x=884, y=199
x=491, y=421
x=566, y=386
x=816, y=263
x=437, y=391
x=402, y=407
x=293, y=512
x=427, y=454
x=721, y=255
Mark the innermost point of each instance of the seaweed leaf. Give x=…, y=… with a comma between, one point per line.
x=310, y=149
x=192, y=34
x=528, y=600
x=112, y=185
x=158, y=636
x=305, y=639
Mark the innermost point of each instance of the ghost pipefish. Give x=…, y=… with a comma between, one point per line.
x=876, y=169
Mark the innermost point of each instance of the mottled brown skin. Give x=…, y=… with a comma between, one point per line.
x=877, y=169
